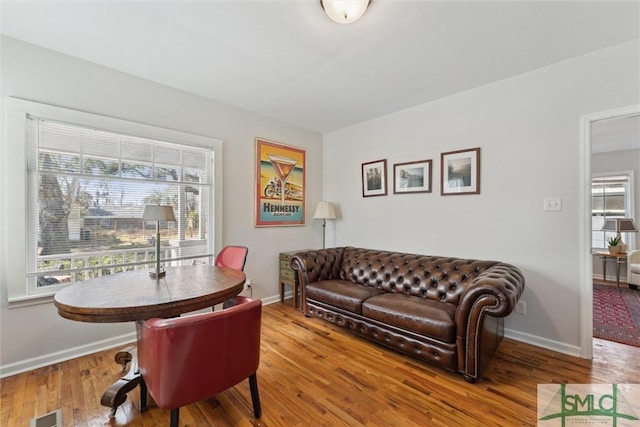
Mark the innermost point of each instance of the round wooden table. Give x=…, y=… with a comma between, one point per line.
x=133, y=295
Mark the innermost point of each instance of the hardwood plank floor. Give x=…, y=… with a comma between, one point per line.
x=312, y=373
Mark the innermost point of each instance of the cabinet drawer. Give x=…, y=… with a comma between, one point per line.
x=287, y=274
x=285, y=265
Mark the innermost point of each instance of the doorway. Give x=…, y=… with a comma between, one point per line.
x=600, y=133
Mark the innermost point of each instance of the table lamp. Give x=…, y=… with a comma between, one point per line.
x=324, y=211
x=620, y=225
x=158, y=213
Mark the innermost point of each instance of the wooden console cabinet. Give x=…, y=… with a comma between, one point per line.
x=289, y=277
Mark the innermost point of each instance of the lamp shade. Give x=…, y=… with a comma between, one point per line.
x=609, y=225
x=619, y=225
x=158, y=213
x=324, y=210
x=626, y=225
x=344, y=11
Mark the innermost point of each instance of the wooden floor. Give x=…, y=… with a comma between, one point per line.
x=313, y=374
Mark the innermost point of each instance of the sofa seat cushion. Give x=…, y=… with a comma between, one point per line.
x=340, y=293
x=434, y=319
x=635, y=268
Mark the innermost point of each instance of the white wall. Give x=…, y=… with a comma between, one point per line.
x=528, y=128
x=36, y=335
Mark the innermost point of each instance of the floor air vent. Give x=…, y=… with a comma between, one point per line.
x=52, y=419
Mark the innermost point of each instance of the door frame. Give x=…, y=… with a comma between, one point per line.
x=584, y=213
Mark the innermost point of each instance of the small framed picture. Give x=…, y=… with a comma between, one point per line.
x=412, y=177
x=374, y=178
x=460, y=172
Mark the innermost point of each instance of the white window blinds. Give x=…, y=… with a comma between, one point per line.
x=87, y=189
x=610, y=198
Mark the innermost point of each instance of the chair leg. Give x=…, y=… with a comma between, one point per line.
x=175, y=417
x=143, y=395
x=229, y=303
x=255, y=396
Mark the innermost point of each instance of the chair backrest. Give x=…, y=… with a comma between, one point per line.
x=190, y=358
x=233, y=257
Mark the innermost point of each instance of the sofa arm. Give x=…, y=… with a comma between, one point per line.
x=633, y=257
x=495, y=291
x=322, y=264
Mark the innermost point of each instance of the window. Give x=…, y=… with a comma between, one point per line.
x=77, y=215
x=610, y=198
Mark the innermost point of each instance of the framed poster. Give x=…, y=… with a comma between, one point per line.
x=374, y=178
x=460, y=172
x=412, y=177
x=280, y=174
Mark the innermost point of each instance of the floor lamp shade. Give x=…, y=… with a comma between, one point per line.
x=324, y=211
x=158, y=213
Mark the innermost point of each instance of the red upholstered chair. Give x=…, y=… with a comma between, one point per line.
x=232, y=257
x=187, y=359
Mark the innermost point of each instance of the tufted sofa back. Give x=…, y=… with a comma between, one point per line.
x=436, y=278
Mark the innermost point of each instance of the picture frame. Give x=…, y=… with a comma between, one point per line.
x=460, y=172
x=374, y=178
x=280, y=184
x=412, y=177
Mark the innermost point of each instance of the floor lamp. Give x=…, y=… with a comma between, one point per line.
x=324, y=211
x=158, y=213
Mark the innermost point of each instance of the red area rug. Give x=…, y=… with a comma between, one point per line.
x=616, y=314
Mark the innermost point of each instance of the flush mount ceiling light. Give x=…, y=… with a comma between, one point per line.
x=345, y=11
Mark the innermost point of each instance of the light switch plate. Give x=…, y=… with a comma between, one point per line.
x=553, y=204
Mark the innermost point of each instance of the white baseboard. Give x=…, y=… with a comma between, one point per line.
x=274, y=299
x=122, y=340
x=72, y=353
x=611, y=278
x=571, y=350
x=61, y=356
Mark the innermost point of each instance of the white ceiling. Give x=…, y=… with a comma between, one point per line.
x=287, y=60
x=618, y=134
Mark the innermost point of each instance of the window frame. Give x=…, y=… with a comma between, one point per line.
x=629, y=203
x=14, y=203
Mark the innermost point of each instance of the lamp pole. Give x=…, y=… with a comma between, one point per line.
x=158, y=273
x=158, y=213
x=324, y=211
x=324, y=229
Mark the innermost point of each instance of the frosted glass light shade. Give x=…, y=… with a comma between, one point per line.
x=344, y=11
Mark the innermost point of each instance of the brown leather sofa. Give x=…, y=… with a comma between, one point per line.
x=446, y=311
